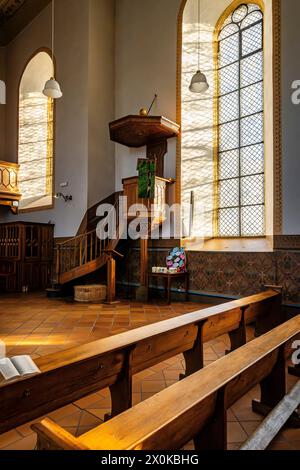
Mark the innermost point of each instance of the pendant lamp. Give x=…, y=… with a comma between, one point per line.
x=52, y=87
x=199, y=82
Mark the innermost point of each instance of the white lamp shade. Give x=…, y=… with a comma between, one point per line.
x=52, y=89
x=199, y=83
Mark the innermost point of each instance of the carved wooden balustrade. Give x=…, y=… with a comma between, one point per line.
x=84, y=254
x=9, y=185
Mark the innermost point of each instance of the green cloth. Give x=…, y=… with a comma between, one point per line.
x=146, y=185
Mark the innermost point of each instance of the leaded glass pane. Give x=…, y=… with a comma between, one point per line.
x=239, y=14
x=252, y=190
x=229, y=164
x=251, y=18
x=229, y=193
x=228, y=31
x=253, y=221
x=229, y=222
x=252, y=160
x=253, y=7
x=229, y=136
x=35, y=144
x=229, y=50
x=252, y=39
x=229, y=79
x=229, y=107
x=252, y=130
x=252, y=99
x=252, y=69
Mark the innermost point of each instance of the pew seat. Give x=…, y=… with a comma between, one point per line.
x=112, y=362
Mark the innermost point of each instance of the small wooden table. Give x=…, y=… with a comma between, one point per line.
x=168, y=278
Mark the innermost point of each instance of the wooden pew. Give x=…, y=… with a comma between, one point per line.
x=111, y=362
x=192, y=409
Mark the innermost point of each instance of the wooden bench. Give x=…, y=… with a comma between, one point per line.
x=111, y=362
x=192, y=409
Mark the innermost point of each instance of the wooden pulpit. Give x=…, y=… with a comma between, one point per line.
x=135, y=131
x=150, y=131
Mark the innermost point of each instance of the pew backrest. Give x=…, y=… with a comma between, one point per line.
x=70, y=375
x=194, y=407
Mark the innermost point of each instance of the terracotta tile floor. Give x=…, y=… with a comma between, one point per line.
x=37, y=326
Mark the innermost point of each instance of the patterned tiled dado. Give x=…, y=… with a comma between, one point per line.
x=227, y=273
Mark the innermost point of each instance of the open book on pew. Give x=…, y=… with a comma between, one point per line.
x=16, y=368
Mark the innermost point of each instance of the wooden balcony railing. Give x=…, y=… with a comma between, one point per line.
x=9, y=185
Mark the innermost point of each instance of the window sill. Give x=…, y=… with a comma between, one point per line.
x=41, y=204
x=261, y=244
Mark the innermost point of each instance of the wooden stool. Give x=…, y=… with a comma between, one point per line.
x=168, y=278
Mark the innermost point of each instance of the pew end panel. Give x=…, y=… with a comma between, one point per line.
x=50, y=436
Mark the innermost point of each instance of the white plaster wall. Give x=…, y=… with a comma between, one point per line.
x=290, y=117
x=84, y=155
x=71, y=142
x=101, y=161
x=146, y=43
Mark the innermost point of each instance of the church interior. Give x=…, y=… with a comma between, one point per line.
x=149, y=225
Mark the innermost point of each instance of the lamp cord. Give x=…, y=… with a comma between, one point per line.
x=52, y=32
x=198, y=34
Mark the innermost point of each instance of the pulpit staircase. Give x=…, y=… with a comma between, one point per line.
x=84, y=253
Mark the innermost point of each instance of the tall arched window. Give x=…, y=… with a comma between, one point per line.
x=241, y=162
x=229, y=152
x=35, y=149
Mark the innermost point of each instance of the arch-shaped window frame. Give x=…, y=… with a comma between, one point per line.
x=235, y=175
x=276, y=72
x=51, y=176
